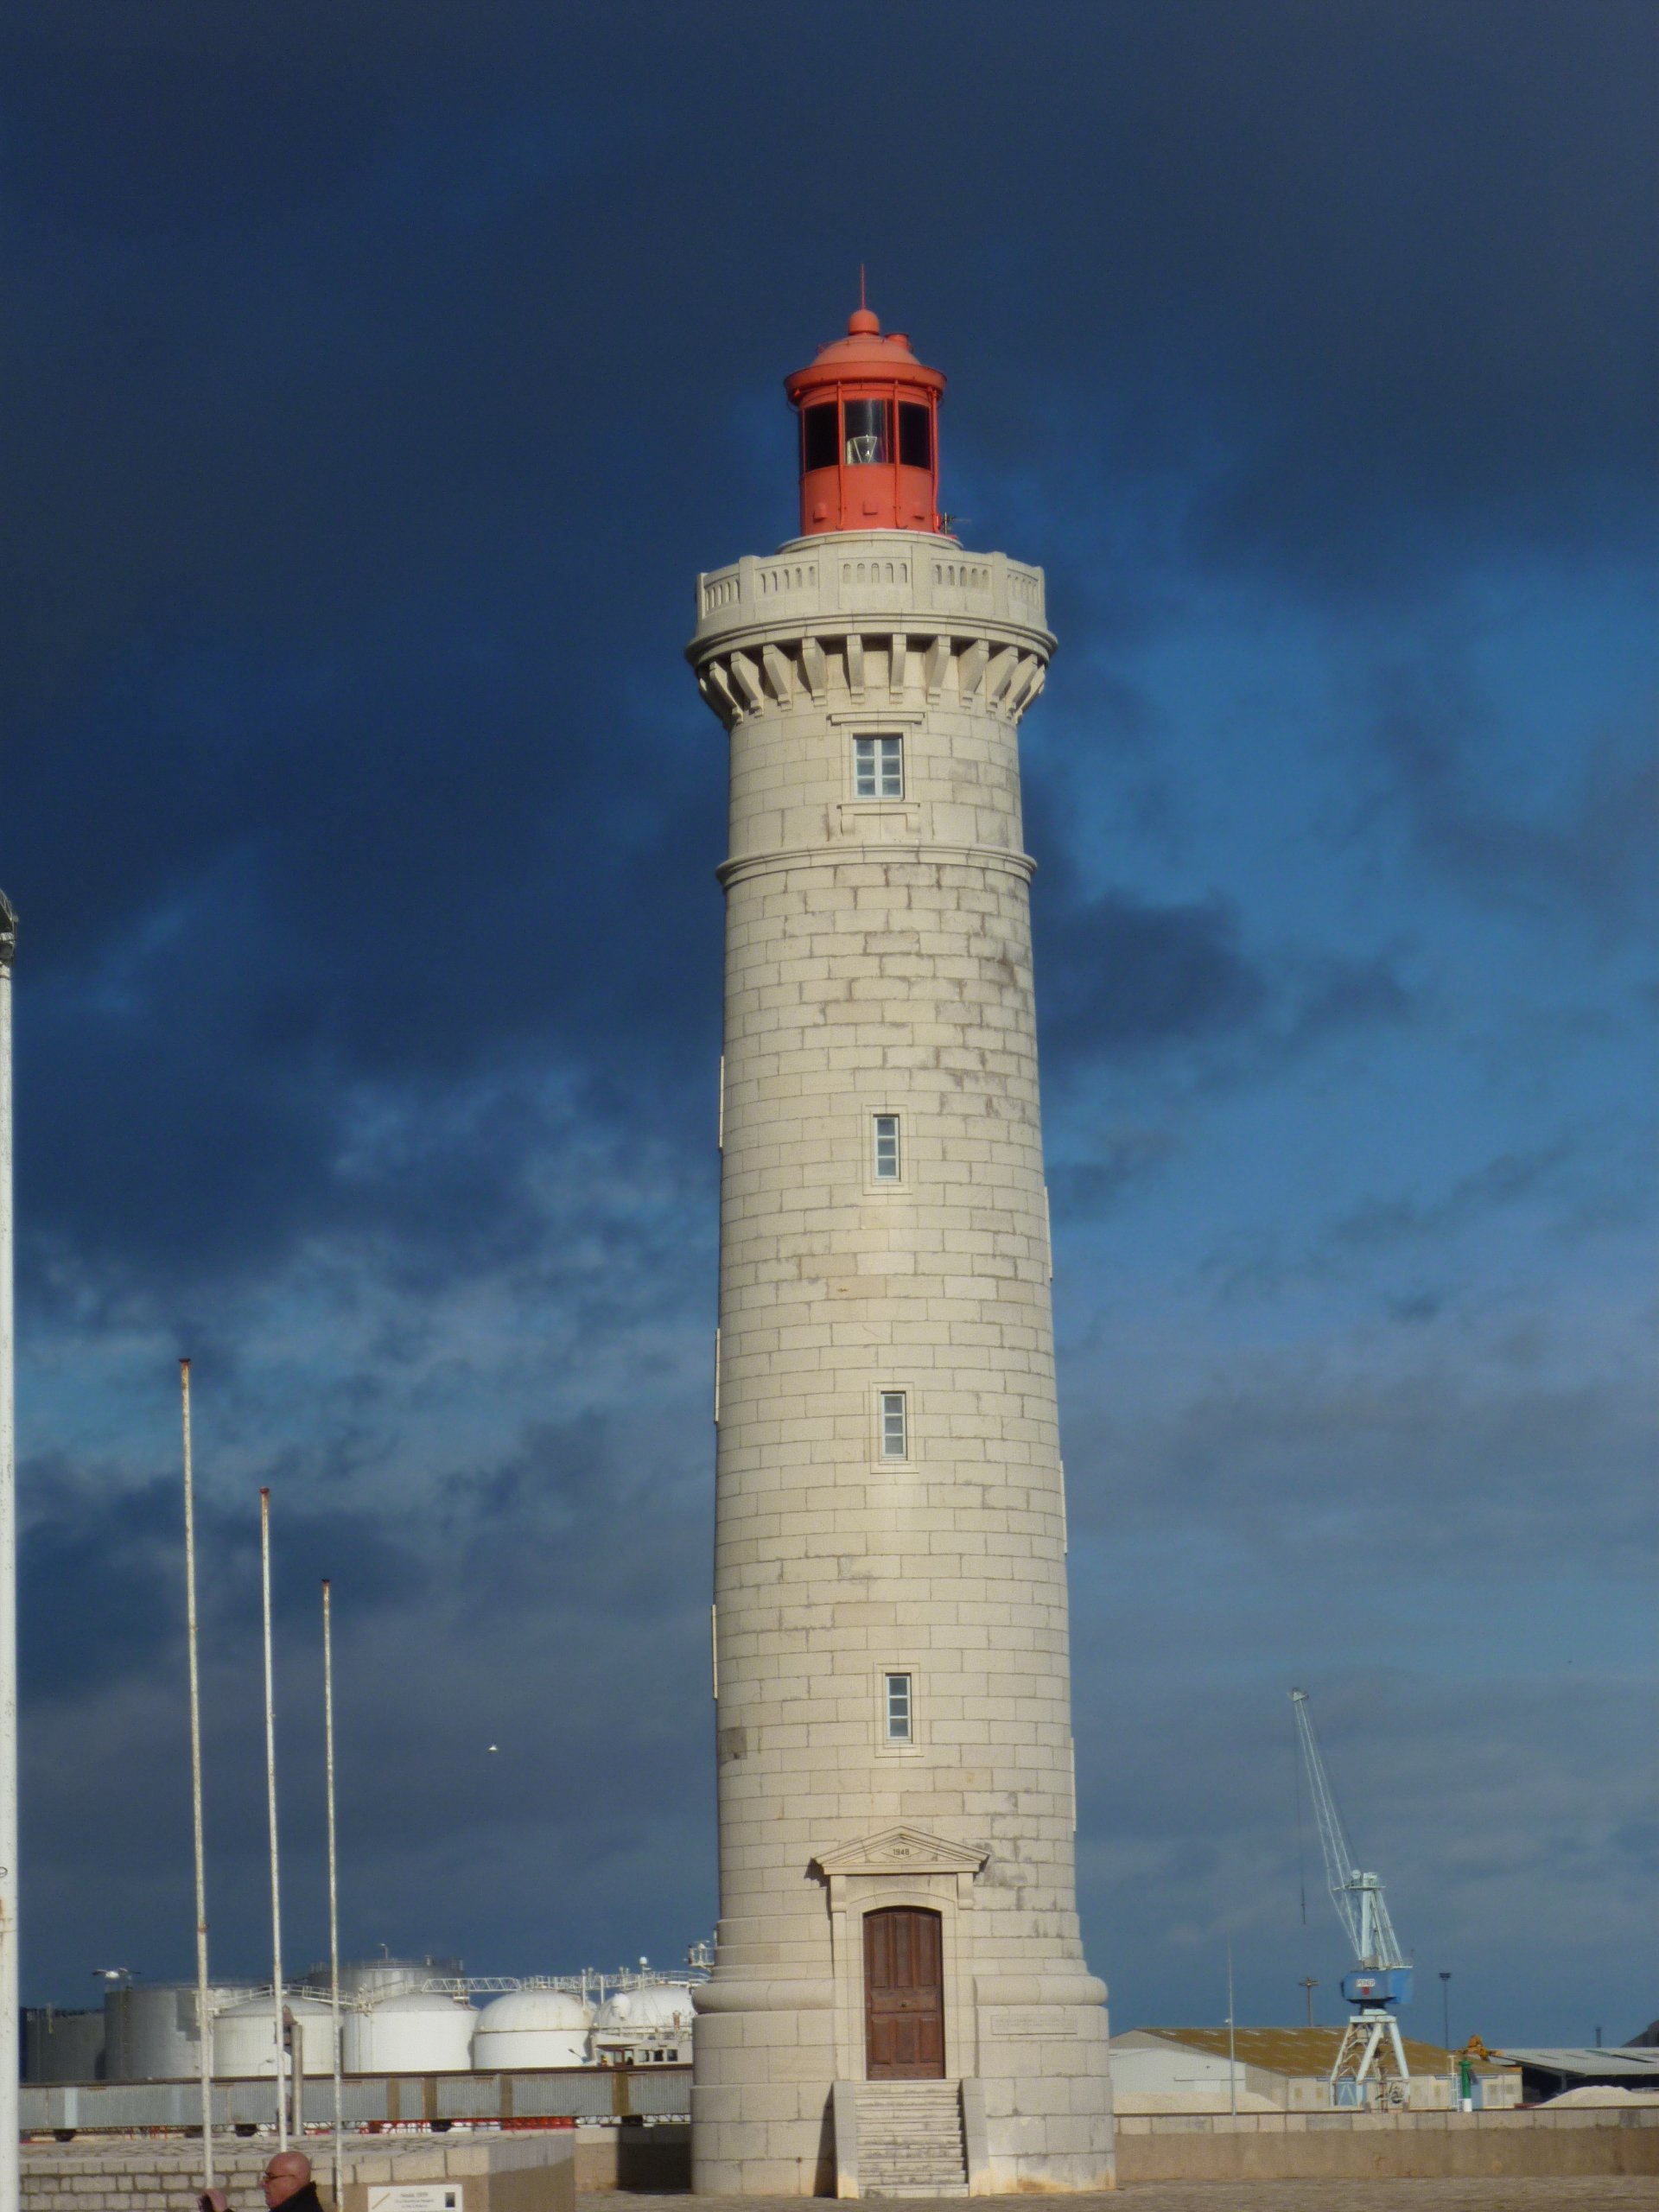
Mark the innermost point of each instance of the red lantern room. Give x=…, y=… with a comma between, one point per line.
x=869, y=433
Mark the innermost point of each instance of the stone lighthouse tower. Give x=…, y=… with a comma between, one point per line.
x=900, y=1999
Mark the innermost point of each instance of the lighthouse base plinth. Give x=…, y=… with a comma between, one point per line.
x=776, y=2105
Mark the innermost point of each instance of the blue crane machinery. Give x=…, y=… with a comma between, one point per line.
x=1371, y=2058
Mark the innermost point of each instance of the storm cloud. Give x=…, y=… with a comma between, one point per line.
x=377, y=392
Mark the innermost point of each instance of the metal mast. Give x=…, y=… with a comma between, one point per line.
x=10, y=2070
x=270, y=1800
x=1371, y=2049
x=334, y=1871
x=204, y=2029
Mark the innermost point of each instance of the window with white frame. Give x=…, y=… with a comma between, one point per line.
x=885, y=1165
x=895, y=1426
x=897, y=1718
x=878, y=767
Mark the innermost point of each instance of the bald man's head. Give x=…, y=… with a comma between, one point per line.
x=285, y=2177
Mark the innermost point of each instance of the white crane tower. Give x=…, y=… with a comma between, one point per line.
x=1371, y=2049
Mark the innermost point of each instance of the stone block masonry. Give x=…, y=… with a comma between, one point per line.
x=895, y=1778
x=532, y=2171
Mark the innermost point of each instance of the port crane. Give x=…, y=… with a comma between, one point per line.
x=1371, y=2049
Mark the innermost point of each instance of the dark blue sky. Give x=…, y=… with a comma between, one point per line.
x=378, y=381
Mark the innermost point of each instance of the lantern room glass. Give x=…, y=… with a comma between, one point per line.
x=869, y=438
x=818, y=436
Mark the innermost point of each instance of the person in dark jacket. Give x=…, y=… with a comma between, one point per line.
x=286, y=2181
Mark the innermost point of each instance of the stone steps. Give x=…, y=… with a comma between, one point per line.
x=910, y=2140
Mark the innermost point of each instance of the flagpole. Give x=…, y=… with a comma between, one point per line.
x=10, y=2070
x=1232, y=2036
x=333, y=1866
x=270, y=1799
x=204, y=2025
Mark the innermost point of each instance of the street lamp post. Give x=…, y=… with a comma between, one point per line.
x=1445, y=2006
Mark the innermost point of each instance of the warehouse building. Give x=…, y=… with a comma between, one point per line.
x=1553, y=2071
x=1273, y=2069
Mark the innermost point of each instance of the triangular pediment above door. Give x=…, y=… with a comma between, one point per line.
x=903, y=1851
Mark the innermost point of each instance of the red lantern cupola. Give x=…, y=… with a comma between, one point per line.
x=869, y=417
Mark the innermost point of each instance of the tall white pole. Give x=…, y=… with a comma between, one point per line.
x=204, y=2025
x=270, y=1799
x=334, y=1865
x=10, y=2070
x=1232, y=2036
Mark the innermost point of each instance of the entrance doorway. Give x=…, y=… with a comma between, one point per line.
x=904, y=1995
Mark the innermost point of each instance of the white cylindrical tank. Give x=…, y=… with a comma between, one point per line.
x=653, y=2005
x=370, y=1979
x=532, y=2027
x=150, y=2029
x=414, y=2034
x=150, y=2032
x=245, y=2037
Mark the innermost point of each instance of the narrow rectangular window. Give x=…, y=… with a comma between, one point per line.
x=819, y=442
x=879, y=767
x=895, y=1428
x=886, y=1165
x=896, y=1708
x=915, y=436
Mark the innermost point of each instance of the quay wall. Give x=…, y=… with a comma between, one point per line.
x=1385, y=2146
x=532, y=2171
x=539, y=2170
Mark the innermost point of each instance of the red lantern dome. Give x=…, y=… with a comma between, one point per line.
x=869, y=417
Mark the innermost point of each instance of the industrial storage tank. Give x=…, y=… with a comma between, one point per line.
x=414, y=2034
x=244, y=2037
x=370, y=1979
x=150, y=2029
x=62, y=2046
x=646, y=2025
x=532, y=2027
x=651, y=2004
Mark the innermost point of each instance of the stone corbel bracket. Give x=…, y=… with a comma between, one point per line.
x=867, y=619
x=867, y=666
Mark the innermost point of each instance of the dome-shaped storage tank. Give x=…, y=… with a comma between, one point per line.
x=652, y=2004
x=532, y=2027
x=419, y=2033
x=245, y=2037
x=649, y=2025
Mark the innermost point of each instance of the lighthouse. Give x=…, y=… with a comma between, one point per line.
x=900, y=2001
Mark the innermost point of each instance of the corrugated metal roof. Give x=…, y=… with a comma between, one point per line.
x=1582, y=2058
x=1298, y=2051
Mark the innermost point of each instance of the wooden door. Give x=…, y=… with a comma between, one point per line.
x=904, y=1996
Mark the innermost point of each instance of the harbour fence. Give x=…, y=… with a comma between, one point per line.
x=369, y=2101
